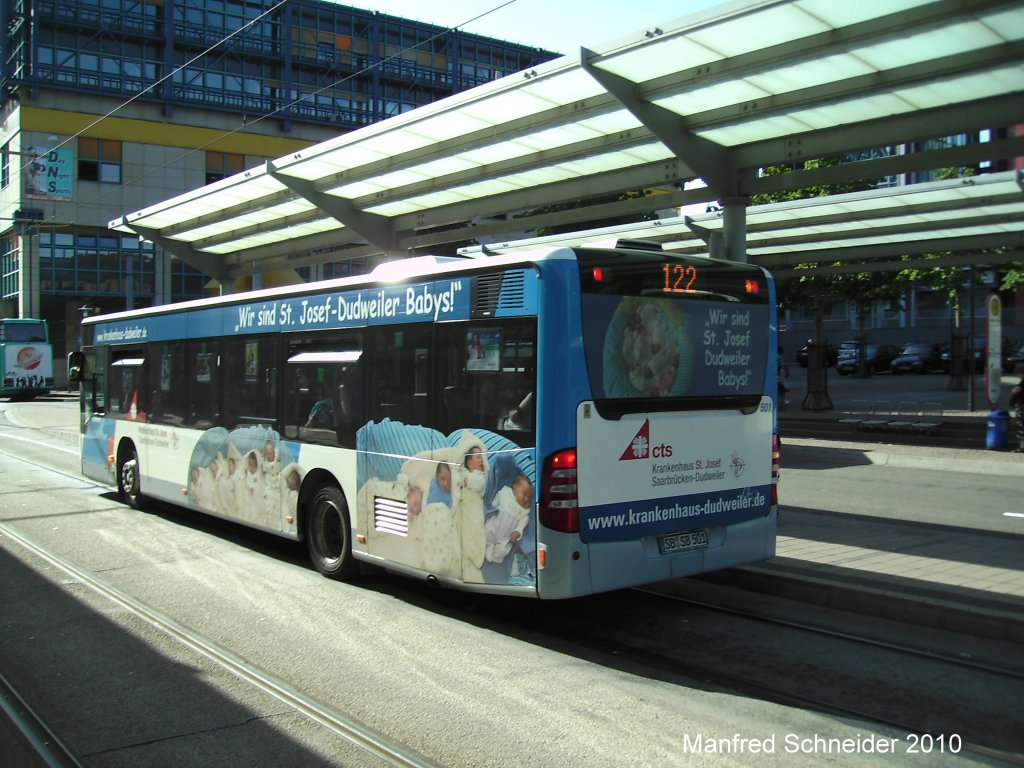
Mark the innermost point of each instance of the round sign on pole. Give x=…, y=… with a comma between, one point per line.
x=994, y=358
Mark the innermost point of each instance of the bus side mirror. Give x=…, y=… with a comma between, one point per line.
x=76, y=367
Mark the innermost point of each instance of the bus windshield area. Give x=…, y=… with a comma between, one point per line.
x=23, y=331
x=658, y=327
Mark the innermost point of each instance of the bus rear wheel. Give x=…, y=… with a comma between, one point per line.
x=329, y=535
x=128, y=479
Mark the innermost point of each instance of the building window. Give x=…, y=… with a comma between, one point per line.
x=220, y=165
x=5, y=165
x=95, y=262
x=9, y=267
x=99, y=160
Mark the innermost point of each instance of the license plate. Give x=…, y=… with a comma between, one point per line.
x=680, y=542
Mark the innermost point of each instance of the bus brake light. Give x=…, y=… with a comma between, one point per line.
x=752, y=286
x=559, y=499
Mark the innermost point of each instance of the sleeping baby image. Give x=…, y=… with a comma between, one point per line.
x=468, y=508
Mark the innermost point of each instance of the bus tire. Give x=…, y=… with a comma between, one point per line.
x=329, y=535
x=128, y=483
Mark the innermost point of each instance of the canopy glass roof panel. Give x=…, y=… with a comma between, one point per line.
x=845, y=14
x=927, y=213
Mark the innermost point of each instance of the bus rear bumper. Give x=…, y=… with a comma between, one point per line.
x=614, y=565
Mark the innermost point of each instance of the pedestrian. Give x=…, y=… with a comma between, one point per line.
x=1017, y=404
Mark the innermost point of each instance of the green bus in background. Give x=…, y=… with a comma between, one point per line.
x=28, y=358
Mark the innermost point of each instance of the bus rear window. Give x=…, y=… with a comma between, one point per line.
x=23, y=330
x=657, y=326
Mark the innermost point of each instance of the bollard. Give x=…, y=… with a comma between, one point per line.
x=998, y=430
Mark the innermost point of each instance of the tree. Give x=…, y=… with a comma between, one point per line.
x=818, y=291
x=952, y=282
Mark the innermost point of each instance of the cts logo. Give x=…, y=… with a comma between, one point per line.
x=640, y=446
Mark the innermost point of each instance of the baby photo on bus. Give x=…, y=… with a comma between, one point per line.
x=468, y=500
x=248, y=474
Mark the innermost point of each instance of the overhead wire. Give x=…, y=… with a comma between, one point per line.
x=250, y=122
x=166, y=77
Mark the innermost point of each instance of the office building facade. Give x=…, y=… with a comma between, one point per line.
x=112, y=105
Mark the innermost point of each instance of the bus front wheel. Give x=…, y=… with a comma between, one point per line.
x=128, y=479
x=329, y=535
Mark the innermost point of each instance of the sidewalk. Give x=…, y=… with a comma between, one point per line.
x=872, y=448
x=894, y=388
x=937, y=576
x=963, y=416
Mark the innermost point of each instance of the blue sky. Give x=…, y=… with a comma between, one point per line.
x=557, y=25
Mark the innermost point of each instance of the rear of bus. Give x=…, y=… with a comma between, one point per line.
x=656, y=431
x=27, y=357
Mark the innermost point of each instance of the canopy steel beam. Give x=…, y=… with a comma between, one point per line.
x=699, y=157
x=893, y=251
x=994, y=112
x=876, y=168
x=320, y=195
x=379, y=230
x=209, y=264
x=318, y=241
x=951, y=260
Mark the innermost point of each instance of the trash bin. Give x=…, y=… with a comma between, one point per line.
x=998, y=430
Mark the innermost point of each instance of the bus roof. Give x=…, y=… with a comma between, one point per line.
x=388, y=272
x=426, y=267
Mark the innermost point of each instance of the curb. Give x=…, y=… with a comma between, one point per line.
x=925, y=608
x=944, y=459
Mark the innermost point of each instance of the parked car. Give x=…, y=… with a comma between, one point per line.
x=831, y=354
x=877, y=358
x=1014, y=360
x=979, y=357
x=846, y=349
x=918, y=357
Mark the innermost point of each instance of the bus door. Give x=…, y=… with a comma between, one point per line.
x=89, y=369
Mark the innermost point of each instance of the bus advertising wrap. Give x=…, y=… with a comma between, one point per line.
x=27, y=366
x=437, y=301
x=645, y=476
x=652, y=347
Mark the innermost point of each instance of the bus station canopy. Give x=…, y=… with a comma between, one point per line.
x=962, y=216
x=715, y=96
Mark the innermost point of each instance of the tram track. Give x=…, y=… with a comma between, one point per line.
x=916, y=651
x=803, y=700
x=362, y=736
x=45, y=743
x=750, y=687
x=36, y=735
x=612, y=648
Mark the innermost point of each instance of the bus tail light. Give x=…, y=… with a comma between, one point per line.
x=559, y=499
x=775, y=469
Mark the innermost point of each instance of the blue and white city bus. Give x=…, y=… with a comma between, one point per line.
x=548, y=424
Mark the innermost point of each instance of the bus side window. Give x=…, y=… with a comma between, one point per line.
x=488, y=387
x=250, y=381
x=322, y=389
x=167, y=402
x=128, y=386
x=204, y=394
x=400, y=371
